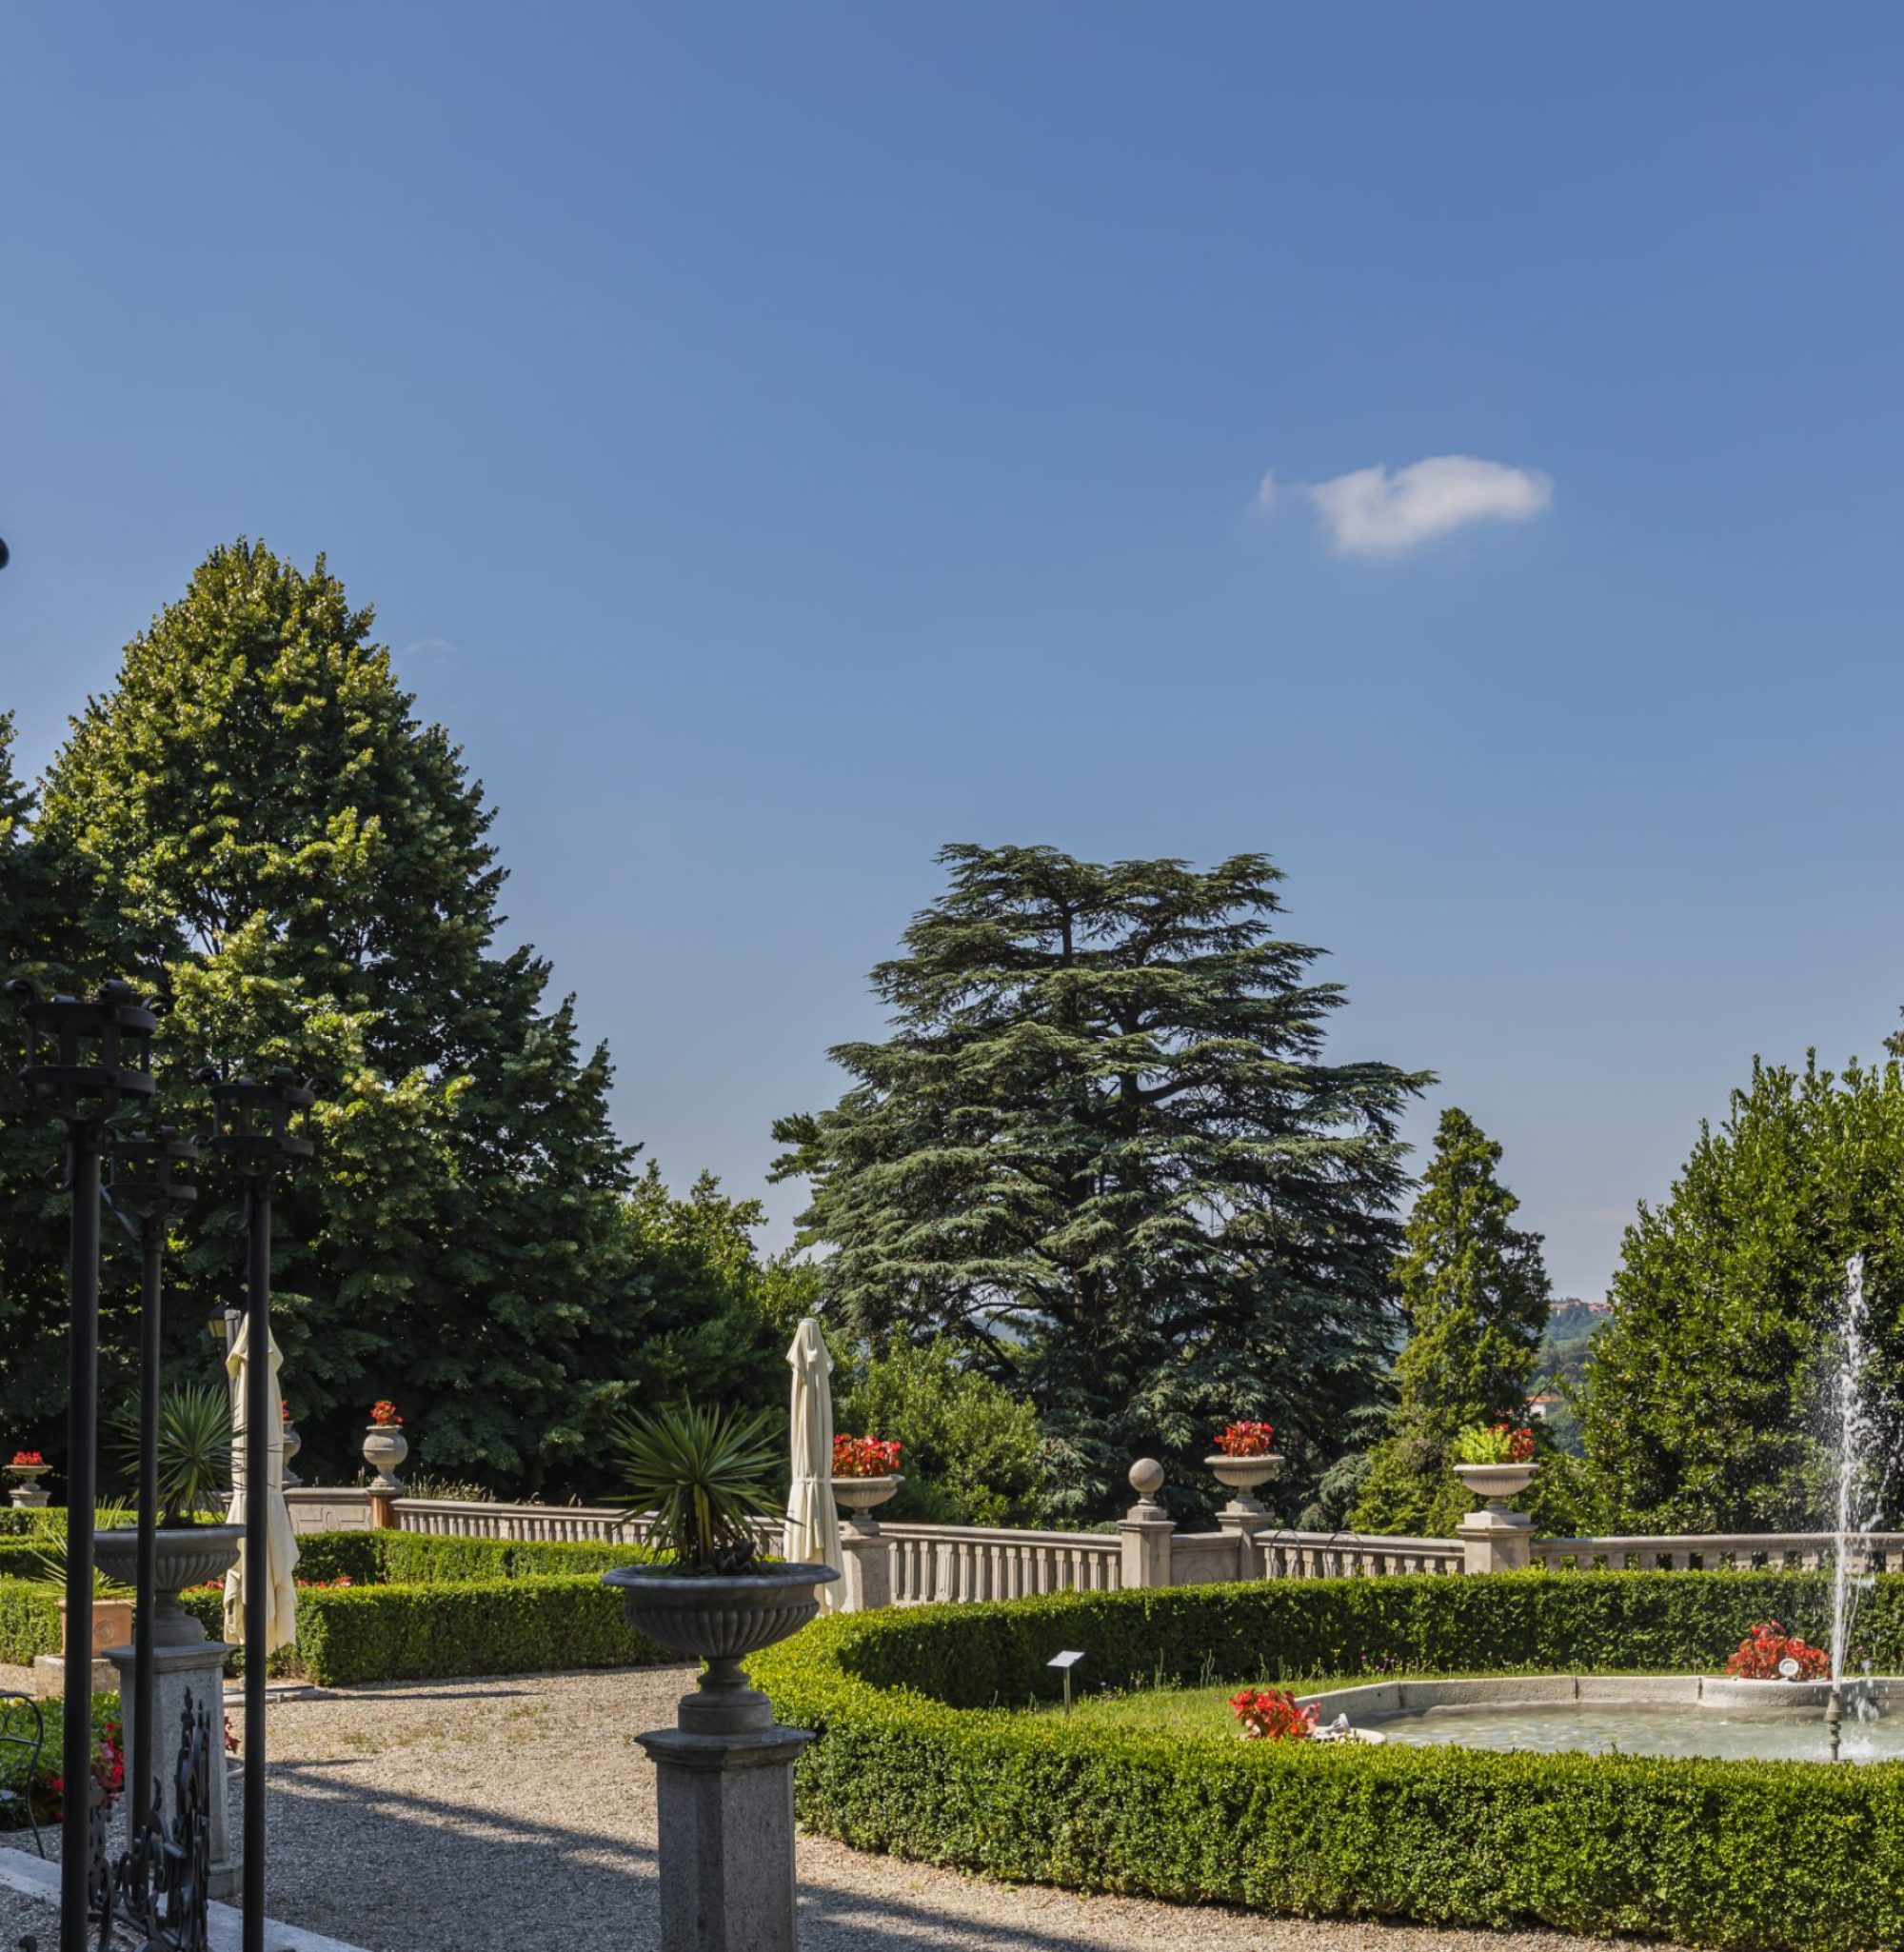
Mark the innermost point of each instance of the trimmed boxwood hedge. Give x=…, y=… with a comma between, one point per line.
x=417, y=1608
x=920, y=1755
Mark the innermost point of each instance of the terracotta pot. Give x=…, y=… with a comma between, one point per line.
x=385, y=1448
x=111, y=1625
x=186, y=1555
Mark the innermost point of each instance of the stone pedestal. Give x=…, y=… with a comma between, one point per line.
x=1243, y=1526
x=723, y=1791
x=1497, y=1540
x=197, y=1669
x=1145, y=1530
x=49, y=1676
x=867, y=1580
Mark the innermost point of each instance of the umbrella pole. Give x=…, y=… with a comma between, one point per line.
x=259, y=1408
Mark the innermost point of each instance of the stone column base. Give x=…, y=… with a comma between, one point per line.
x=1243, y=1525
x=1496, y=1541
x=199, y=1669
x=725, y=1808
x=868, y=1581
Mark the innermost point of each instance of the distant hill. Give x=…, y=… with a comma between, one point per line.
x=1561, y=1363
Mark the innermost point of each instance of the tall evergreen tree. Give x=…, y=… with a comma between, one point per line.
x=1702, y=1407
x=255, y=814
x=1103, y=1151
x=1475, y=1290
x=37, y=943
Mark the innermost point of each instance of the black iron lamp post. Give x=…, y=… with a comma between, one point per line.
x=86, y=1057
x=259, y=1132
x=146, y=1195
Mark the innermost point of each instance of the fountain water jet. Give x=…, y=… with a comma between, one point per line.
x=1853, y=1435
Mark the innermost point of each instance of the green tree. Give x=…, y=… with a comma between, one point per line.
x=972, y=1453
x=1103, y=1151
x=254, y=814
x=1703, y=1389
x=1476, y=1293
x=37, y=942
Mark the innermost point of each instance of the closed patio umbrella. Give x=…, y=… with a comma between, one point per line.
x=812, y=1534
x=281, y=1547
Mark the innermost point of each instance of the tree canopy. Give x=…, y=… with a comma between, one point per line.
x=1475, y=1290
x=1702, y=1399
x=255, y=818
x=1103, y=1151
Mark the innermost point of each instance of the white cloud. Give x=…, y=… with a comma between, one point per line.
x=1376, y=512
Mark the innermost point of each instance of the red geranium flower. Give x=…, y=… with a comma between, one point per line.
x=1247, y=1439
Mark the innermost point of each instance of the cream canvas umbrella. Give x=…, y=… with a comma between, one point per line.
x=281, y=1548
x=812, y=1535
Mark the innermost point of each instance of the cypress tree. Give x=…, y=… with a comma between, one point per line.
x=1476, y=1293
x=1104, y=1152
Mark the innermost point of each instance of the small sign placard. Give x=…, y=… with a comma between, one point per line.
x=1065, y=1660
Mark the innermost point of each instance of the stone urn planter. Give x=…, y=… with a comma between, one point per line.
x=187, y=1556
x=858, y=1496
x=1242, y=1475
x=294, y=1444
x=1496, y=1483
x=721, y=1618
x=26, y=1490
x=385, y=1448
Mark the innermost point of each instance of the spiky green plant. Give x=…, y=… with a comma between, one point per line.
x=702, y=1474
x=194, y=1451
x=52, y=1568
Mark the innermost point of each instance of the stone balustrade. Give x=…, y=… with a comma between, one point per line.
x=974, y=1562
x=923, y=1564
x=1716, y=1552
x=1290, y=1555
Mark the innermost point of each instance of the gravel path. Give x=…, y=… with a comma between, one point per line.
x=475, y=1816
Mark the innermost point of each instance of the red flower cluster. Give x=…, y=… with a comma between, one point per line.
x=343, y=1579
x=108, y=1768
x=284, y=1410
x=27, y=1459
x=1519, y=1444
x=1247, y=1439
x=383, y=1411
x=864, y=1456
x=1270, y=1714
x=1767, y=1645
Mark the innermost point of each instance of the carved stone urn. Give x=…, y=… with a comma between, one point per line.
x=385, y=1448
x=1242, y=1475
x=187, y=1556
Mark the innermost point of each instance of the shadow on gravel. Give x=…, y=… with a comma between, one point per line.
x=396, y=1872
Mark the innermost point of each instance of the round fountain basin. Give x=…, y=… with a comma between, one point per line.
x=1632, y=1714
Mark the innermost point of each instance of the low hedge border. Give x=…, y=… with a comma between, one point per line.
x=417, y=1608
x=918, y=1756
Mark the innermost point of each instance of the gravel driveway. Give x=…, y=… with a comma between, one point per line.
x=485, y=1816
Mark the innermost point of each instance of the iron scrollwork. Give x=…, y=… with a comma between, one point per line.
x=160, y=1887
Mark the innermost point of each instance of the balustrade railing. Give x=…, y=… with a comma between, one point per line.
x=1716, y=1552
x=973, y=1562
x=1290, y=1555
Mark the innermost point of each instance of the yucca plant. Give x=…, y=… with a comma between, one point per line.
x=703, y=1474
x=195, y=1452
x=52, y=1569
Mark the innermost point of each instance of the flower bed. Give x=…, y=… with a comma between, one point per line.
x=920, y=1754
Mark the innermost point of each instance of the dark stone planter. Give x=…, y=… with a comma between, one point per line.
x=719, y=1620
x=187, y=1557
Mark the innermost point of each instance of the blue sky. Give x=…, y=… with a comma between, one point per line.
x=779, y=441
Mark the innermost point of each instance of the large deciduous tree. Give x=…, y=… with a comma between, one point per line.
x=1104, y=1150
x=1702, y=1406
x=255, y=817
x=1475, y=1291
